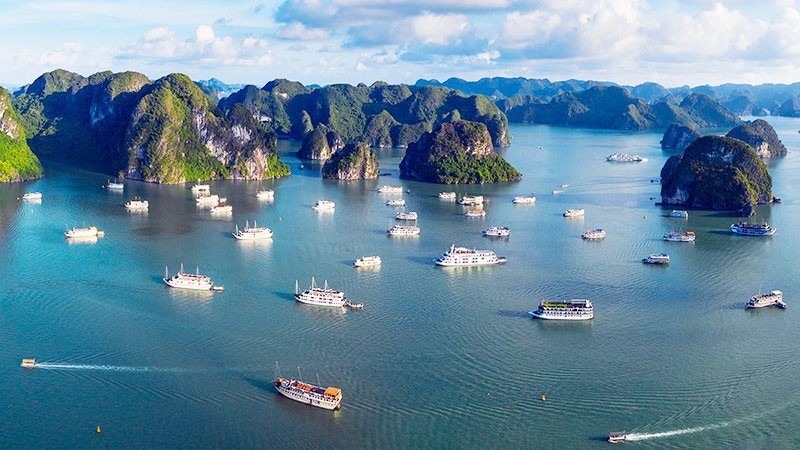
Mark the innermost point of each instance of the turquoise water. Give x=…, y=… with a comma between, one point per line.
x=438, y=358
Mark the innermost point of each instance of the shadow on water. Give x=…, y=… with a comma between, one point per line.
x=512, y=313
x=284, y=295
x=422, y=260
x=260, y=384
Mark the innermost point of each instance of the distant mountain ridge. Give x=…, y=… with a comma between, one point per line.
x=742, y=99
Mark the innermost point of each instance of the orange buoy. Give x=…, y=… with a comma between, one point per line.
x=98, y=428
x=544, y=398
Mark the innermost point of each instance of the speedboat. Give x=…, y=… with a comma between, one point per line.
x=28, y=363
x=617, y=437
x=32, y=196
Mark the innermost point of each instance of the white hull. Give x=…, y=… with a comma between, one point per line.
x=189, y=286
x=329, y=405
x=545, y=316
x=307, y=301
x=246, y=236
x=82, y=232
x=477, y=264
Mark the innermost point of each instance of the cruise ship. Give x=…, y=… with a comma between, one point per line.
x=32, y=196
x=368, y=261
x=574, y=309
x=201, y=188
x=208, y=200
x=319, y=296
x=251, y=233
x=529, y=200
x=597, y=233
x=475, y=213
x=447, y=195
x=326, y=398
x=679, y=213
x=676, y=236
x=137, y=204
x=774, y=298
x=403, y=230
x=222, y=209
x=497, y=232
x=390, y=189
x=624, y=157
x=410, y=215
x=266, y=194
x=466, y=257
x=83, y=232
x=657, y=259
x=468, y=200
x=191, y=281
x=396, y=202
x=752, y=229
x=574, y=213
x=324, y=205
x=115, y=186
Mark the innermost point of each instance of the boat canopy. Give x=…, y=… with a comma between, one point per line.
x=333, y=392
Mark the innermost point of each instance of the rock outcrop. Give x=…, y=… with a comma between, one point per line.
x=167, y=131
x=320, y=144
x=678, y=137
x=354, y=162
x=17, y=162
x=760, y=135
x=716, y=173
x=456, y=152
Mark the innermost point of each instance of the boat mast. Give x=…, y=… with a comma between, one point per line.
x=299, y=375
x=296, y=288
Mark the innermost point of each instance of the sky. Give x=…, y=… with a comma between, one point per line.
x=672, y=42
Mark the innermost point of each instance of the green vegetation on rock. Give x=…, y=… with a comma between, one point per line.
x=17, y=162
x=354, y=162
x=456, y=152
x=760, y=135
x=716, y=173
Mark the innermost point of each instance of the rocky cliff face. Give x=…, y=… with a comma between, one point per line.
x=716, y=173
x=760, y=135
x=165, y=131
x=320, y=144
x=17, y=162
x=353, y=162
x=456, y=152
x=678, y=137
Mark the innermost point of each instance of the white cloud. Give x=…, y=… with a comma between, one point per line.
x=439, y=29
x=299, y=32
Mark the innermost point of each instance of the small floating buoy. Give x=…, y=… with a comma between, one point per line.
x=17, y=198
x=98, y=428
x=280, y=219
x=544, y=399
x=644, y=217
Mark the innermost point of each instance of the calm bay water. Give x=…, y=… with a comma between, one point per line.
x=438, y=358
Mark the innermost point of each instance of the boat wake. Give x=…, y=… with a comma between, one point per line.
x=646, y=436
x=106, y=368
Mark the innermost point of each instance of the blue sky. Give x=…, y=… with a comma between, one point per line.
x=673, y=42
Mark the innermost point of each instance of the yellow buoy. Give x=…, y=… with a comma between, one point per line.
x=544, y=399
x=98, y=428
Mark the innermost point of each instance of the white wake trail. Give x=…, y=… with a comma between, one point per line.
x=54, y=366
x=663, y=434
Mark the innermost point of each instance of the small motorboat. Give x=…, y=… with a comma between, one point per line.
x=617, y=438
x=28, y=363
x=353, y=305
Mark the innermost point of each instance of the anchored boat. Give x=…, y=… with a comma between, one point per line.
x=191, y=281
x=774, y=298
x=319, y=296
x=250, y=233
x=326, y=398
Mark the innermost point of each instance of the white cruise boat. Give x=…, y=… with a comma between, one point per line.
x=597, y=233
x=624, y=157
x=659, y=260
x=403, y=230
x=208, y=200
x=32, y=196
x=191, y=281
x=679, y=213
x=475, y=213
x=447, y=195
x=137, y=205
x=390, y=189
x=410, y=215
x=324, y=205
x=676, y=236
x=83, y=232
x=574, y=309
x=115, y=185
x=466, y=257
x=574, y=213
x=774, y=298
x=329, y=398
x=266, y=194
x=497, y=232
x=396, y=202
x=319, y=296
x=525, y=200
x=368, y=261
x=752, y=229
x=249, y=233
x=471, y=200
x=557, y=191
x=201, y=188
x=222, y=209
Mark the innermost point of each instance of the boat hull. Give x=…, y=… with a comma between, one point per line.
x=332, y=405
x=500, y=260
x=537, y=315
x=190, y=287
x=300, y=298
